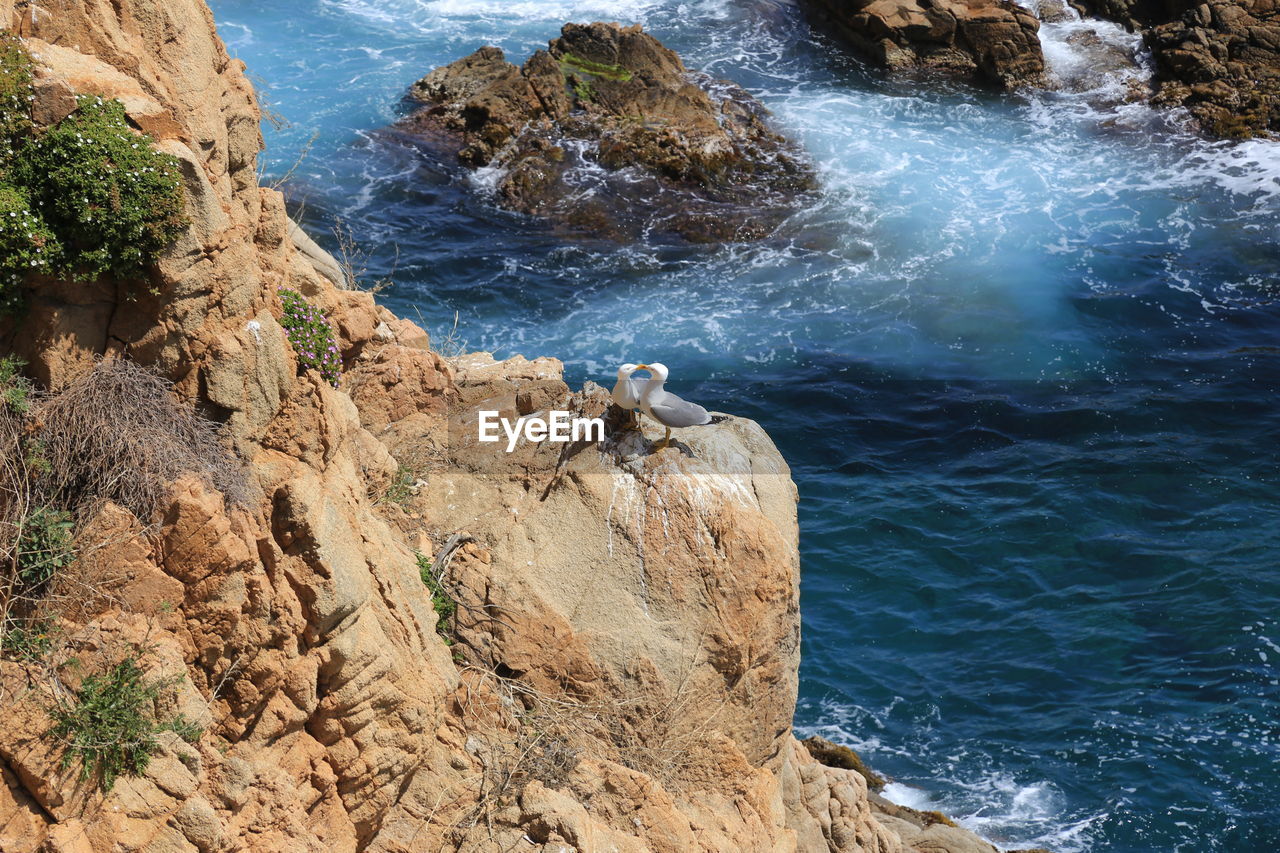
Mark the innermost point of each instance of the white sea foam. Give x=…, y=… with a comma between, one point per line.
x=912, y=798
x=431, y=15
x=1007, y=809
x=1100, y=70
x=1090, y=56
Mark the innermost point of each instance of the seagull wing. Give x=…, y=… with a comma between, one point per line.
x=669, y=410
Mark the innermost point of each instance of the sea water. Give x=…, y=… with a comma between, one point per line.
x=1022, y=355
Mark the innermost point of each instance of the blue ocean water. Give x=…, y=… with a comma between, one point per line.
x=1023, y=357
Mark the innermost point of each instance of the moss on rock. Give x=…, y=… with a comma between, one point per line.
x=836, y=755
x=598, y=69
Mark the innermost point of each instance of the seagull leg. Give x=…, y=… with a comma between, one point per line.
x=634, y=423
x=666, y=440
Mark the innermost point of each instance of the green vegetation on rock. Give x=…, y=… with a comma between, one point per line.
x=15, y=96
x=109, y=726
x=114, y=201
x=86, y=197
x=27, y=639
x=15, y=389
x=311, y=336
x=443, y=603
x=598, y=69
x=27, y=245
x=45, y=545
x=838, y=755
x=401, y=488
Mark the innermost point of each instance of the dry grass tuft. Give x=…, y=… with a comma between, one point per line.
x=118, y=433
x=353, y=260
x=450, y=345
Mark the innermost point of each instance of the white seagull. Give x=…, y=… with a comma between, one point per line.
x=666, y=408
x=626, y=393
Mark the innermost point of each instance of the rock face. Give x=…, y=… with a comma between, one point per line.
x=607, y=133
x=1220, y=60
x=993, y=41
x=659, y=542
x=624, y=671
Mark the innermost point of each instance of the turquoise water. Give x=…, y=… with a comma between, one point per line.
x=1023, y=357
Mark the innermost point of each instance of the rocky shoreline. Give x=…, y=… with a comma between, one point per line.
x=1219, y=60
x=591, y=648
x=990, y=41
x=390, y=638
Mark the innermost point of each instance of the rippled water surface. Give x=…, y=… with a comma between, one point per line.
x=1023, y=358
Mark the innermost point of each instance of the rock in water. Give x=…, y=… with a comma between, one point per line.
x=1220, y=59
x=607, y=133
x=994, y=41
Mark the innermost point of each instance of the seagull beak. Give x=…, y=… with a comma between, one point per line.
x=642, y=367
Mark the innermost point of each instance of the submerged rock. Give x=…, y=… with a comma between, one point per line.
x=607, y=133
x=1220, y=60
x=993, y=41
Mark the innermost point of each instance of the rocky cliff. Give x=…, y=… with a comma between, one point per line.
x=586, y=646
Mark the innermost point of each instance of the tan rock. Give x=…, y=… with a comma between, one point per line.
x=396, y=381
x=323, y=262
x=199, y=824
x=70, y=836
x=994, y=41
x=22, y=823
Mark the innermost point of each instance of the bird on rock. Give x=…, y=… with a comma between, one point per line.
x=666, y=408
x=626, y=393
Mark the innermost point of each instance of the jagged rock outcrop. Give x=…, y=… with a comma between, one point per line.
x=994, y=41
x=607, y=133
x=1220, y=60
x=625, y=667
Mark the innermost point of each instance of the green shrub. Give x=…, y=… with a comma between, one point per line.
x=114, y=201
x=27, y=639
x=443, y=603
x=188, y=730
x=27, y=245
x=15, y=389
x=401, y=487
x=109, y=726
x=311, y=335
x=84, y=198
x=44, y=545
x=15, y=97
